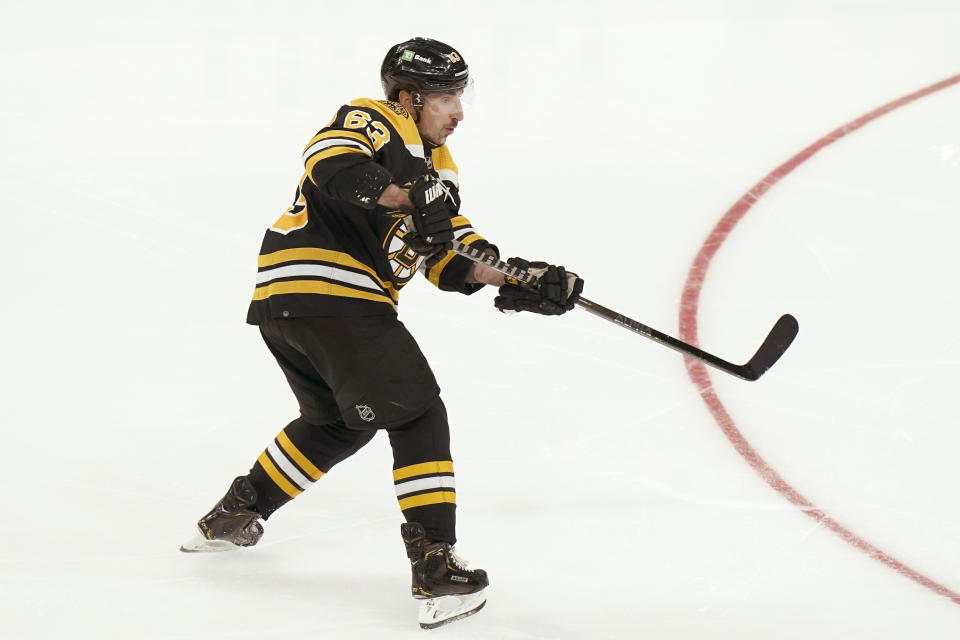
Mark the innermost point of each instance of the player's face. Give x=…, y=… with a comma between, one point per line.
x=441, y=114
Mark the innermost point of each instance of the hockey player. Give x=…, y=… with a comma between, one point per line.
x=377, y=202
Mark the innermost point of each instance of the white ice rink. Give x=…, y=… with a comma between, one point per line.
x=144, y=148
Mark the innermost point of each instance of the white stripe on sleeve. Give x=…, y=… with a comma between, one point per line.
x=449, y=175
x=334, y=142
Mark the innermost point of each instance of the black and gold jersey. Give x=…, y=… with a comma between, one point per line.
x=334, y=251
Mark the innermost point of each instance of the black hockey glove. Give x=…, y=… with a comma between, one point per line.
x=432, y=230
x=555, y=293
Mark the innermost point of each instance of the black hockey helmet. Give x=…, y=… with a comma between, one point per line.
x=423, y=65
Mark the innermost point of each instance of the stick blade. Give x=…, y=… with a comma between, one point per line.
x=774, y=346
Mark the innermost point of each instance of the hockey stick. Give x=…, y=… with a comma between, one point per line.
x=773, y=346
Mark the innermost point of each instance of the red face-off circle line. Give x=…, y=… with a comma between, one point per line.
x=689, y=306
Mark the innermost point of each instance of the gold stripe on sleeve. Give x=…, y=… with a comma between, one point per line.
x=434, y=274
x=470, y=237
x=339, y=133
x=442, y=160
x=329, y=153
x=287, y=222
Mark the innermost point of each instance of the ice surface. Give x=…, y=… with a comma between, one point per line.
x=146, y=147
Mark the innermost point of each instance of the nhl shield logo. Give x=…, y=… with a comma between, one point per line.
x=366, y=413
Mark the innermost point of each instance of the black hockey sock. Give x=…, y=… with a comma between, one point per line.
x=298, y=457
x=423, y=473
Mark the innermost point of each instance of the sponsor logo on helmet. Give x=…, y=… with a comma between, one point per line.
x=410, y=56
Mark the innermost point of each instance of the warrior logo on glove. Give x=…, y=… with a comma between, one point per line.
x=430, y=223
x=556, y=292
x=432, y=191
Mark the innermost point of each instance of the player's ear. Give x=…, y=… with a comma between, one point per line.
x=405, y=98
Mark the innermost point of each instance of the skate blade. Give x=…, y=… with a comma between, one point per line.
x=437, y=612
x=198, y=543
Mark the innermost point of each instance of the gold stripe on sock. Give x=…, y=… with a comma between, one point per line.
x=277, y=477
x=422, y=469
x=422, y=500
x=298, y=457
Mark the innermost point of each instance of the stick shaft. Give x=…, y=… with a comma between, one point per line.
x=773, y=346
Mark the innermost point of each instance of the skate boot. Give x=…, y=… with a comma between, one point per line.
x=231, y=524
x=449, y=589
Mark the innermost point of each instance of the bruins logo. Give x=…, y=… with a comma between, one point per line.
x=403, y=260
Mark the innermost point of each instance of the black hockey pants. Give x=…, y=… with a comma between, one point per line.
x=352, y=377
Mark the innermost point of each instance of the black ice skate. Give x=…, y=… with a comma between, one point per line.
x=231, y=524
x=449, y=589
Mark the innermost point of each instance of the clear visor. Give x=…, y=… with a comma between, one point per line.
x=449, y=102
